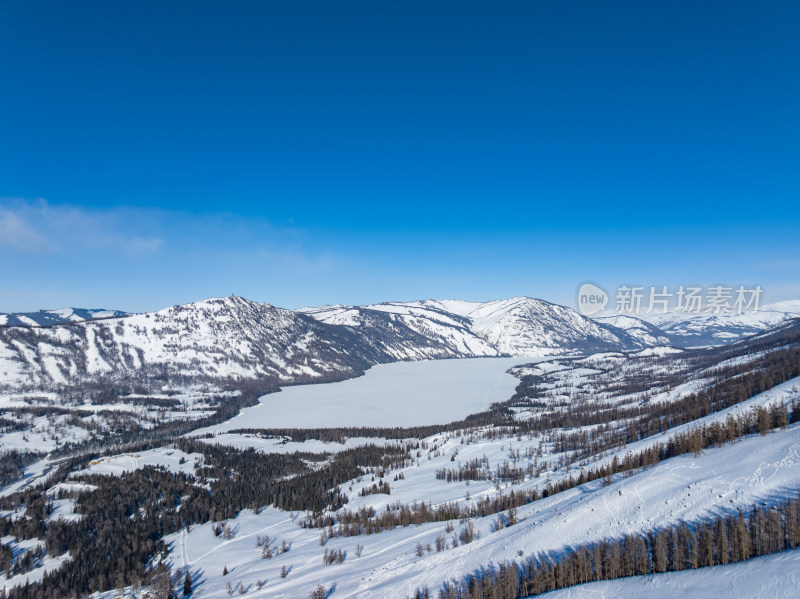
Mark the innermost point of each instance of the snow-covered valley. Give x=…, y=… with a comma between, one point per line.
x=417, y=474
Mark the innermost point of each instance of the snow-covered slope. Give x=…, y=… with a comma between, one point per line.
x=221, y=340
x=756, y=469
x=690, y=330
x=787, y=306
x=216, y=339
x=774, y=576
x=682, y=329
x=227, y=339
x=648, y=334
x=685, y=488
x=409, y=331
x=44, y=318
x=519, y=326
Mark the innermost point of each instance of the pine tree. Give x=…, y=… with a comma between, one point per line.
x=660, y=552
x=162, y=582
x=722, y=543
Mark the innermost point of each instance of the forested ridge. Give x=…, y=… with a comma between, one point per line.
x=118, y=542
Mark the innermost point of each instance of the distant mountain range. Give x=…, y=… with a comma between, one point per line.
x=44, y=318
x=520, y=326
x=717, y=329
x=229, y=340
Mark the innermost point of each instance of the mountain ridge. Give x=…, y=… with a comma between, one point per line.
x=44, y=318
x=228, y=340
x=232, y=339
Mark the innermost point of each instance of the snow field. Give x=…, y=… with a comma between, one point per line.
x=163, y=457
x=774, y=576
x=283, y=445
x=681, y=489
x=399, y=394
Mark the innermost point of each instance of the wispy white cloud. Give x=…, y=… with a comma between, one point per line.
x=142, y=245
x=138, y=258
x=37, y=227
x=792, y=264
x=18, y=235
x=181, y=240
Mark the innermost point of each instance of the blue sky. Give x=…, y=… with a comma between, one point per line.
x=303, y=153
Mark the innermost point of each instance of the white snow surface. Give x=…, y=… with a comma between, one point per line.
x=283, y=445
x=164, y=457
x=679, y=489
x=50, y=564
x=519, y=326
x=32, y=475
x=774, y=576
x=221, y=338
x=713, y=329
x=399, y=394
x=685, y=488
x=639, y=329
x=789, y=306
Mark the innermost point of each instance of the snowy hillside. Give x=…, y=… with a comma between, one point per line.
x=213, y=340
x=682, y=329
x=587, y=450
x=694, y=330
x=756, y=469
x=774, y=576
x=519, y=326
x=787, y=306
x=232, y=339
x=408, y=331
x=644, y=332
x=687, y=488
x=44, y=318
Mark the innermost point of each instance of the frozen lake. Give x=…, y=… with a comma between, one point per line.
x=399, y=394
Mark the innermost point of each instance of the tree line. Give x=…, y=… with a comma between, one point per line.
x=722, y=540
x=758, y=420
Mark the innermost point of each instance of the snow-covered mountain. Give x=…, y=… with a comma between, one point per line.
x=233, y=339
x=409, y=331
x=789, y=306
x=688, y=330
x=681, y=329
x=44, y=318
x=212, y=340
x=640, y=330
x=520, y=326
